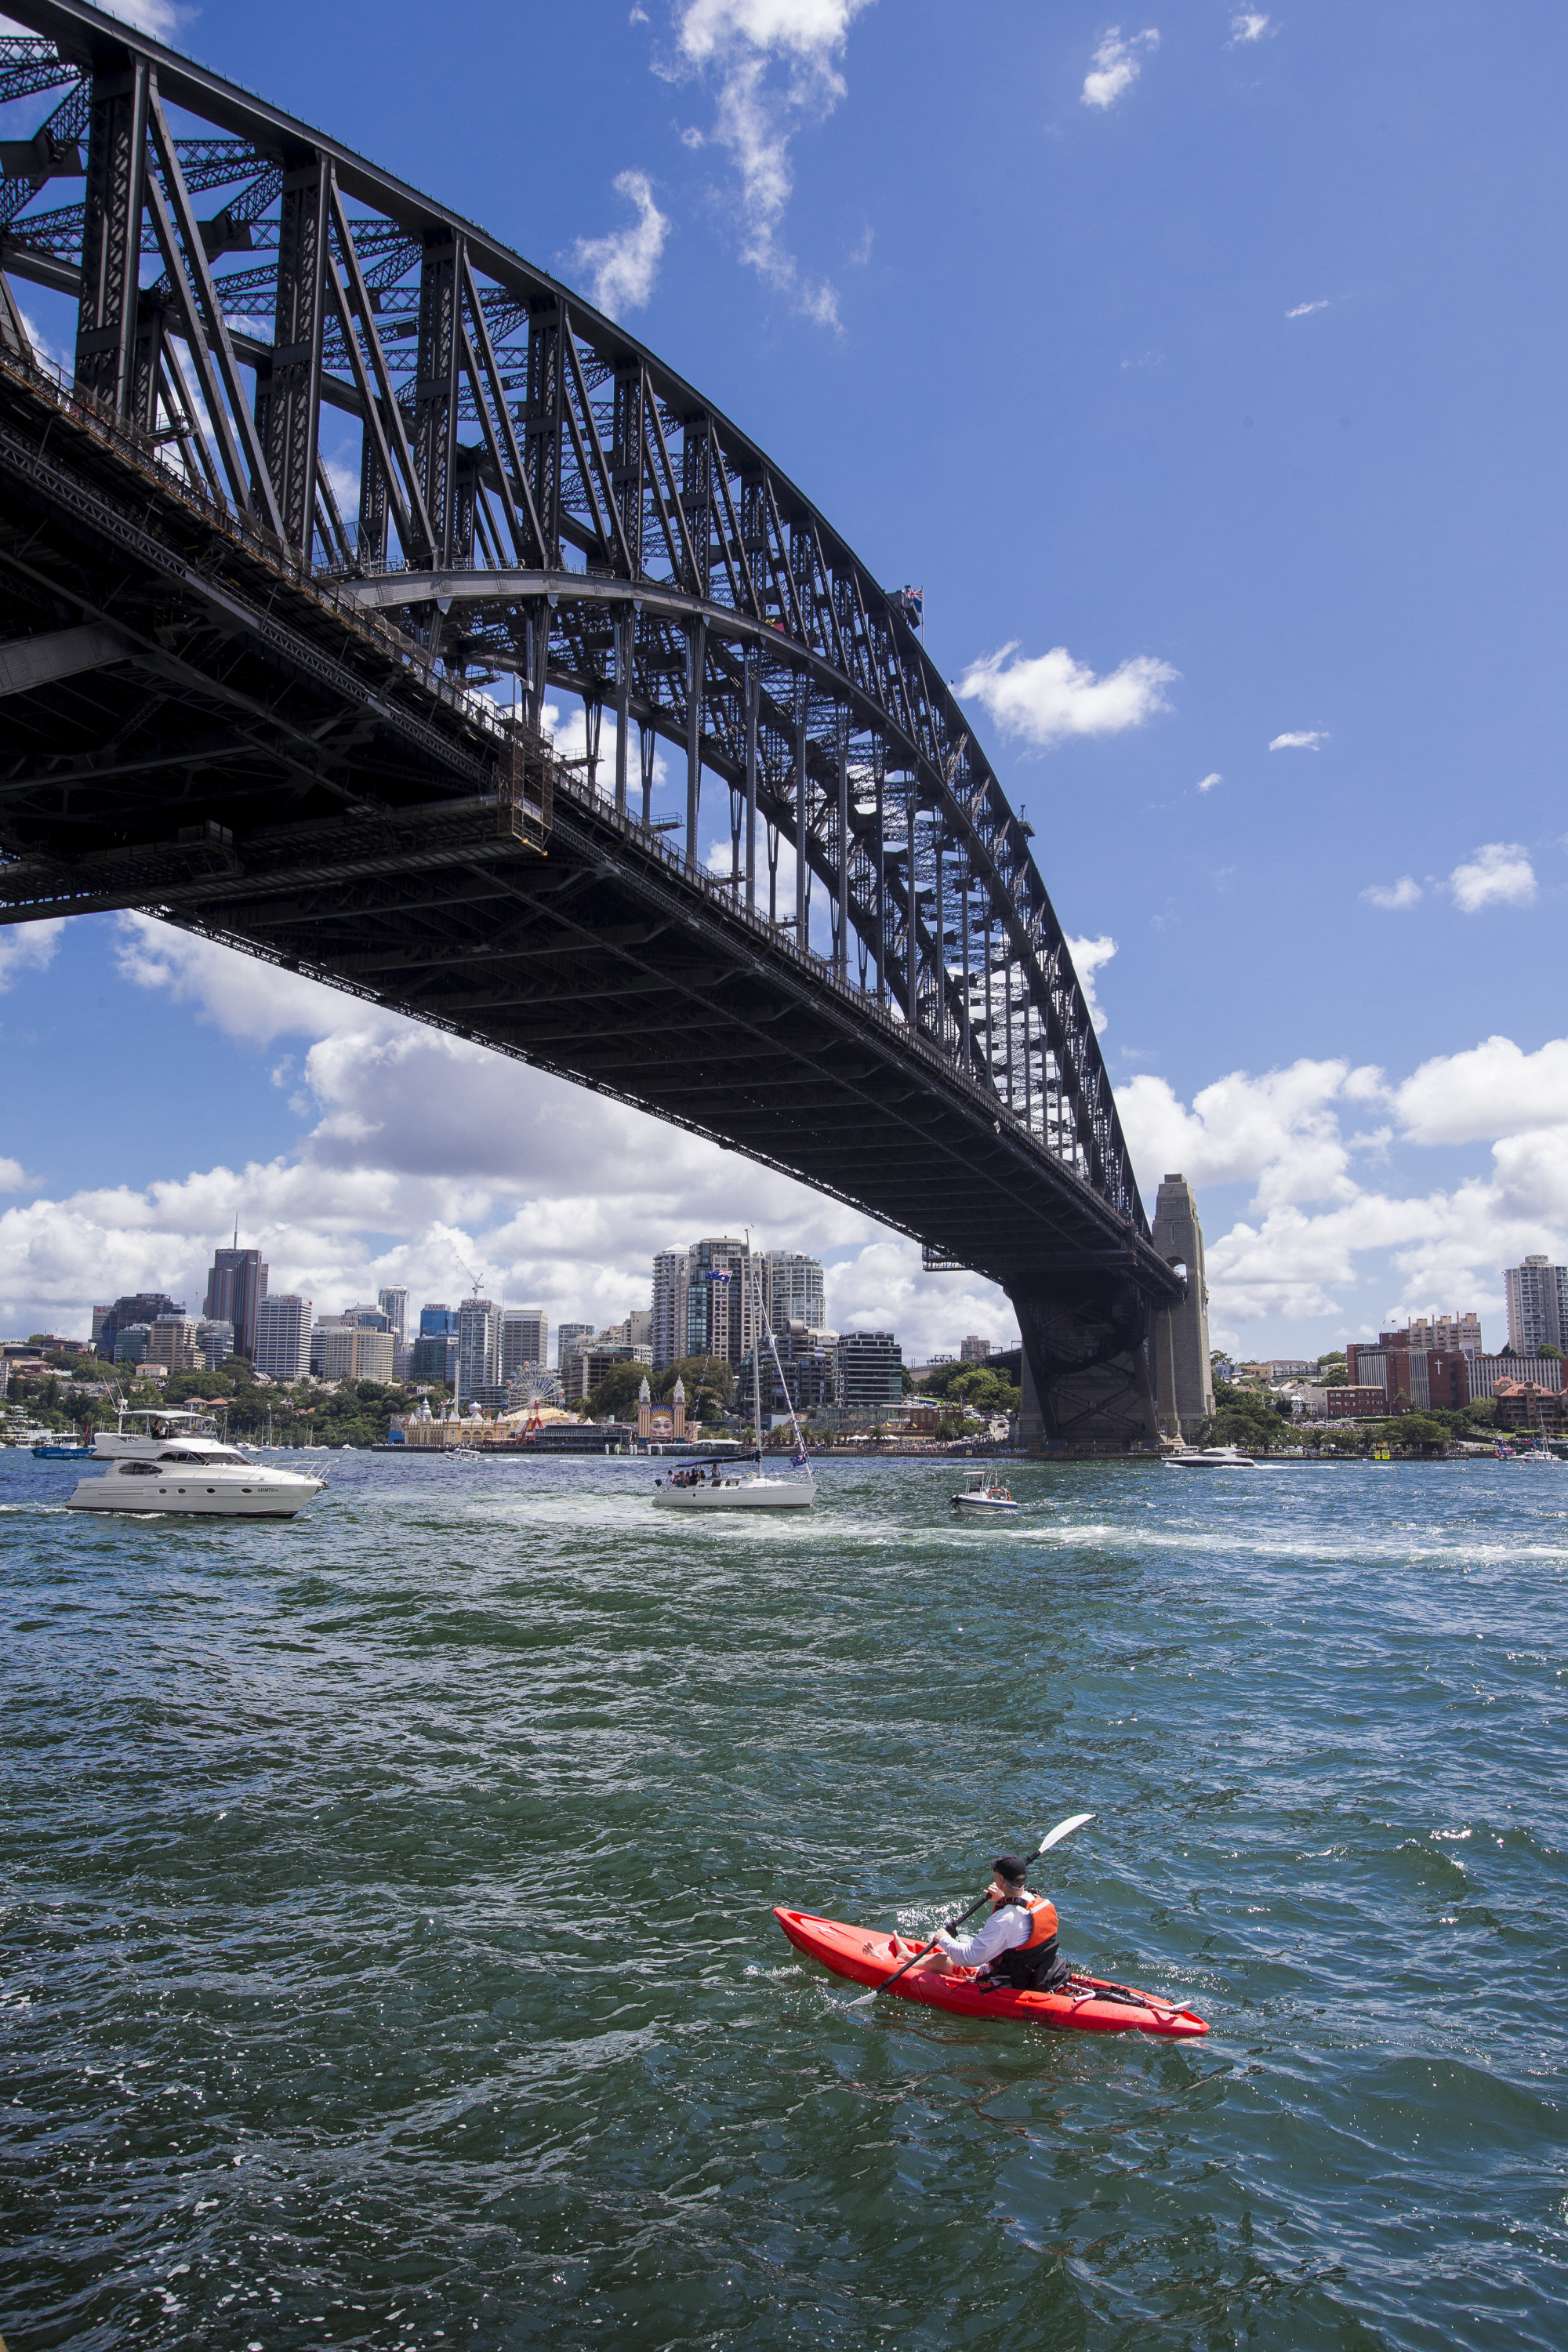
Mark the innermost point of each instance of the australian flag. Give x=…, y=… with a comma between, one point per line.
x=914, y=603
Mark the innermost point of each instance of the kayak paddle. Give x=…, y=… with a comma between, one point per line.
x=1052, y=1837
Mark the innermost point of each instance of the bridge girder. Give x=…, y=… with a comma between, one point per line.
x=205, y=639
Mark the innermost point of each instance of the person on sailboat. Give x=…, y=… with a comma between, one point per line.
x=1017, y=1944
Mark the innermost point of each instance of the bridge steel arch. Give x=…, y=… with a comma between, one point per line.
x=234, y=698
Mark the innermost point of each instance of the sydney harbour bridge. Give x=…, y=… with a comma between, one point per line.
x=236, y=697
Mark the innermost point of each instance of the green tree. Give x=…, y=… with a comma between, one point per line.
x=706, y=1379
x=616, y=1394
x=1247, y=1418
x=1409, y=1432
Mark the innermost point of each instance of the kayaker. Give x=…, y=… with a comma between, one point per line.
x=1017, y=1944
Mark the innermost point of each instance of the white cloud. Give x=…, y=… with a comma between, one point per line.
x=1305, y=310
x=1279, y=1132
x=1492, y=1089
x=1405, y=892
x=1300, y=1244
x=28, y=947
x=1052, y=696
x=1247, y=26
x=1499, y=874
x=774, y=66
x=1206, y=783
x=624, y=266
x=1118, y=62
x=1303, y=742
x=157, y=17
x=13, y=1176
x=1088, y=955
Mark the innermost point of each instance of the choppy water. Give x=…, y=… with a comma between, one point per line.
x=387, y=1957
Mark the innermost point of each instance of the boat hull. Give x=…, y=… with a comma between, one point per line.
x=1084, y=2005
x=980, y=1503
x=157, y=1497
x=744, y=1494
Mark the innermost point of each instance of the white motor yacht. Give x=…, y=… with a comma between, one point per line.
x=1210, y=1457
x=168, y=1460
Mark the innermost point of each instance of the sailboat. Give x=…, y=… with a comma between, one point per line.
x=725, y=1486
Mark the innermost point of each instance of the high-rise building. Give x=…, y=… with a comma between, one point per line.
x=437, y=1320
x=173, y=1343
x=720, y=1306
x=368, y=1318
x=801, y=1368
x=433, y=1357
x=393, y=1303
x=130, y=1343
x=974, y=1349
x=567, y=1337
x=668, y=1269
x=1537, y=1305
x=215, y=1342
x=479, y=1334
x=137, y=1308
x=524, y=1341
x=283, y=1336
x=870, y=1369
x=343, y=1351
x=792, y=1284
x=1452, y=1333
x=236, y=1288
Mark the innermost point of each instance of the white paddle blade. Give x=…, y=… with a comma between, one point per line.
x=1062, y=1830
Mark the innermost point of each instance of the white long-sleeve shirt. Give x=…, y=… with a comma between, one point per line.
x=1009, y=1926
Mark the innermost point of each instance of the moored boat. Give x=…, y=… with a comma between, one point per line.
x=1083, y=2004
x=1210, y=1457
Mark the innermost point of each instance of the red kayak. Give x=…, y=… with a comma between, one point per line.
x=1088, y=2003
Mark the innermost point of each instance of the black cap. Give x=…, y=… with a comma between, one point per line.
x=1008, y=1866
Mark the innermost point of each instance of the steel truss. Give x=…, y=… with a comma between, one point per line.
x=539, y=497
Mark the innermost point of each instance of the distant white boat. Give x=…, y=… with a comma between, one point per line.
x=168, y=1460
x=1210, y=1457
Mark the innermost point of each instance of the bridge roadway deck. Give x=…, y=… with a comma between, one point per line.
x=361, y=820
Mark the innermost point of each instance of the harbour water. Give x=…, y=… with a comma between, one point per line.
x=388, y=1960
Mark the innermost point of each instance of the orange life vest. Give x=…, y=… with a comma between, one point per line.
x=1043, y=1921
x=1033, y=1966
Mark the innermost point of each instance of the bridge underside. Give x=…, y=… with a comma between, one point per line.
x=199, y=720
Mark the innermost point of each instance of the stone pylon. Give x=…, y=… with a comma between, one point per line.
x=1179, y=1339
x=644, y=1411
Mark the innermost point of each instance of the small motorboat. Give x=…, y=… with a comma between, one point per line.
x=1210, y=1457
x=978, y=1494
x=62, y=1453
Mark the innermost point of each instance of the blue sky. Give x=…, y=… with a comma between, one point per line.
x=1219, y=353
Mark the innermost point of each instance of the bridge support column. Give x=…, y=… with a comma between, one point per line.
x=694, y=739
x=623, y=707
x=1086, y=1382
x=1184, y=1384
